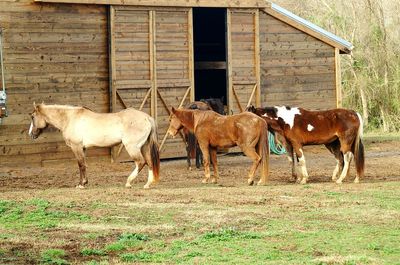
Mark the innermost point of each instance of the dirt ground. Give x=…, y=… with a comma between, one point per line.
x=382, y=164
x=178, y=187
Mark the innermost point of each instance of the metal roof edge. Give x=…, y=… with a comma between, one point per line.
x=312, y=27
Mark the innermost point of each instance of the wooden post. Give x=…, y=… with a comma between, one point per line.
x=145, y=98
x=191, y=58
x=257, y=60
x=153, y=64
x=113, y=93
x=229, y=64
x=252, y=95
x=112, y=58
x=338, y=84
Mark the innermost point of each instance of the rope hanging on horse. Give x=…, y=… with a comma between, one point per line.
x=277, y=149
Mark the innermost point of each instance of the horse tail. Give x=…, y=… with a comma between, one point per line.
x=154, y=151
x=358, y=150
x=263, y=151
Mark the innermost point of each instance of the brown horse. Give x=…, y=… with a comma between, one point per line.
x=340, y=130
x=212, y=130
x=192, y=146
x=83, y=128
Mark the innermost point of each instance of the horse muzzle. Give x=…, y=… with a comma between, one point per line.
x=173, y=133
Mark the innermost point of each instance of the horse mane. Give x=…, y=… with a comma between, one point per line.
x=216, y=104
x=59, y=106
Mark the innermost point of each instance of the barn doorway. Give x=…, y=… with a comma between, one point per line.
x=210, y=53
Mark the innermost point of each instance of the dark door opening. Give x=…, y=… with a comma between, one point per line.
x=210, y=63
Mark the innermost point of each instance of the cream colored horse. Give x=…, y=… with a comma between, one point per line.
x=83, y=128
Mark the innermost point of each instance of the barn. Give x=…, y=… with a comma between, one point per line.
x=151, y=55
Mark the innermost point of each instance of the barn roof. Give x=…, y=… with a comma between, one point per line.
x=170, y=3
x=308, y=27
x=270, y=8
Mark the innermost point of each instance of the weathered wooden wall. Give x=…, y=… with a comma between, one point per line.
x=59, y=53
x=296, y=68
x=152, y=61
x=242, y=57
x=55, y=54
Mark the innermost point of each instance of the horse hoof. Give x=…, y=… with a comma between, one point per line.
x=338, y=182
x=204, y=181
x=214, y=181
x=261, y=183
x=250, y=182
x=356, y=180
x=128, y=185
x=147, y=186
x=80, y=186
x=303, y=181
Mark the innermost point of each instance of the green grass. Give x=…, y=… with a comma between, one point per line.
x=35, y=212
x=53, y=256
x=307, y=224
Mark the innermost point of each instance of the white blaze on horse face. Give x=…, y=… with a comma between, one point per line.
x=310, y=128
x=30, y=128
x=287, y=115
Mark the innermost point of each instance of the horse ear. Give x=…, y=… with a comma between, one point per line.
x=173, y=110
x=34, y=105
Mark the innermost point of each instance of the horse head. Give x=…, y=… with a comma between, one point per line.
x=175, y=123
x=251, y=108
x=216, y=104
x=38, y=122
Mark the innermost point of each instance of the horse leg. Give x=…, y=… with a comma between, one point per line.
x=345, y=148
x=206, y=156
x=213, y=152
x=301, y=164
x=188, y=158
x=199, y=156
x=334, y=148
x=138, y=167
x=147, y=156
x=292, y=160
x=348, y=156
x=251, y=153
x=79, y=153
x=137, y=156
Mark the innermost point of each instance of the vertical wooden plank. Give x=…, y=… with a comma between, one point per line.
x=229, y=58
x=153, y=63
x=257, y=60
x=338, y=85
x=112, y=67
x=112, y=70
x=191, y=54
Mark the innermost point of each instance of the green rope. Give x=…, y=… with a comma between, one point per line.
x=276, y=149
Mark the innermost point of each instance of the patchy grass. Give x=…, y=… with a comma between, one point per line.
x=53, y=256
x=319, y=223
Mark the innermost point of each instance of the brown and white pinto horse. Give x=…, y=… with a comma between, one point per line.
x=192, y=146
x=212, y=130
x=340, y=130
x=83, y=128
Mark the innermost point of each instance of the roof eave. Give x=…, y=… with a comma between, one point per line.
x=306, y=26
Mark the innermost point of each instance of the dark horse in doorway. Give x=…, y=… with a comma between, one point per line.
x=192, y=146
x=213, y=130
x=340, y=130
